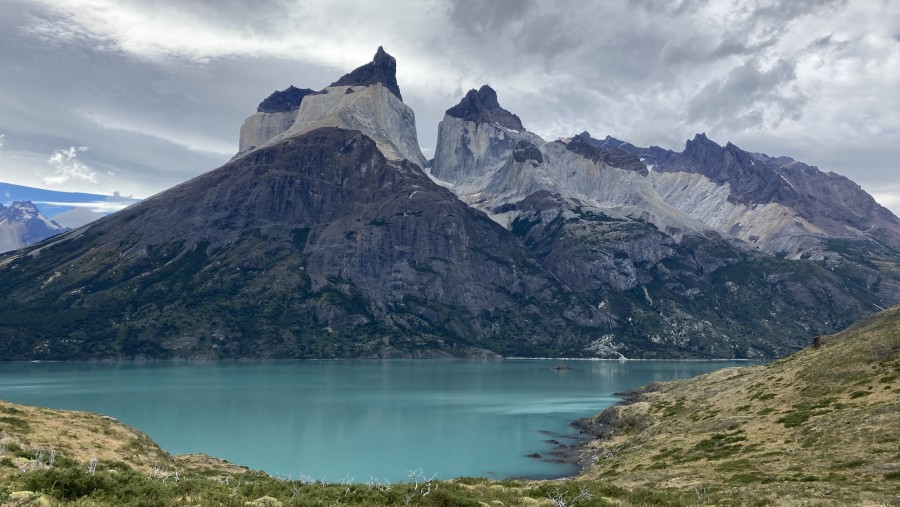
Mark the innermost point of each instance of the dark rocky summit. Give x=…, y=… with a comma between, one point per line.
x=482, y=106
x=283, y=101
x=382, y=69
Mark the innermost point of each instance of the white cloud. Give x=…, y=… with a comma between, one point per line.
x=67, y=167
x=200, y=32
x=95, y=206
x=2, y=140
x=76, y=217
x=174, y=134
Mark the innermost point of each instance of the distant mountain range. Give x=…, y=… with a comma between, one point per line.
x=330, y=235
x=21, y=224
x=33, y=214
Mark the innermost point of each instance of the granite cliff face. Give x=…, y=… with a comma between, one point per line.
x=472, y=144
x=274, y=115
x=367, y=99
x=482, y=157
x=22, y=224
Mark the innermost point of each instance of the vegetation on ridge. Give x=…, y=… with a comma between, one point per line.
x=821, y=427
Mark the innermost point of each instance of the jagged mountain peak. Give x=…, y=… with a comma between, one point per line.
x=284, y=101
x=27, y=210
x=382, y=69
x=606, y=143
x=482, y=106
x=23, y=206
x=720, y=161
x=701, y=137
x=702, y=148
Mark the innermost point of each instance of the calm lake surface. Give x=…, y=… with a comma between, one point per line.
x=339, y=420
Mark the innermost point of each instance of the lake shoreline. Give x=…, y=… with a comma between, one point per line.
x=590, y=429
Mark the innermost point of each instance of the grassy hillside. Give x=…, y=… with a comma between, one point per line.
x=821, y=426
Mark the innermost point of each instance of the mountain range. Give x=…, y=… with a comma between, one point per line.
x=329, y=234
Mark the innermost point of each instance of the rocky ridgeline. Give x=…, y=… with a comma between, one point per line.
x=330, y=235
x=776, y=204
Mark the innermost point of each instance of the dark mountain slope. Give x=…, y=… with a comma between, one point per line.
x=701, y=296
x=313, y=247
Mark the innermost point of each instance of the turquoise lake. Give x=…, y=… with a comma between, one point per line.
x=338, y=420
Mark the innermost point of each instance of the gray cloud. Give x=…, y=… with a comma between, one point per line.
x=489, y=18
x=748, y=97
x=76, y=217
x=161, y=101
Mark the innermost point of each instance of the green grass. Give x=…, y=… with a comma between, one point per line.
x=720, y=445
x=115, y=484
x=16, y=423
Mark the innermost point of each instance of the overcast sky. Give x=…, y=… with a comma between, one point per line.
x=135, y=96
